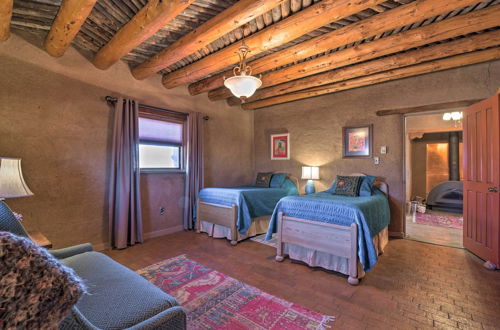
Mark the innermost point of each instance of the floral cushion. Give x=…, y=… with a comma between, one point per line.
x=37, y=291
x=263, y=179
x=347, y=185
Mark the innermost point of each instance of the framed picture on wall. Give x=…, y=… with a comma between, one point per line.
x=280, y=146
x=357, y=142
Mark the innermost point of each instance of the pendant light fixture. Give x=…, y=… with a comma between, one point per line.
x=456, y=116
x=242, y=84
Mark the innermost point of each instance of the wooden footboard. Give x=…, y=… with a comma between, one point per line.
x=220, y=215
x=337, y=240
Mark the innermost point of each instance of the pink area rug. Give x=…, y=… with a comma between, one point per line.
x=440, y=220
x=214, y=300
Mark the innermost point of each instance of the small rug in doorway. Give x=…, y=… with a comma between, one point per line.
x=214, y=300
x=262, y=240
x=440, y=220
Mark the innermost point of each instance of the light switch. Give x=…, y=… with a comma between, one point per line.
x=376, y=160
x=383, y=150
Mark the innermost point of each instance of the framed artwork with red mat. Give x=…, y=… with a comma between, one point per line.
x=280, y=146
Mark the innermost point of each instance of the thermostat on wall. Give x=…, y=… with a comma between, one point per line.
x=383, y=149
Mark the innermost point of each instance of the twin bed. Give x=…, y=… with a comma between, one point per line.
x=237, y=213
x=339, y=233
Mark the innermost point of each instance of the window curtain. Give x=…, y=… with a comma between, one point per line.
x=125, y=218
x=194, y=167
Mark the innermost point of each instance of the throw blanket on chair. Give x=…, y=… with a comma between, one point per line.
x=36, y=290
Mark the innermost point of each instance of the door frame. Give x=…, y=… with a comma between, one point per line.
x=405, y=151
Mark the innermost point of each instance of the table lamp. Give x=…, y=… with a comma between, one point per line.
x=12, y=185
x=310, y=173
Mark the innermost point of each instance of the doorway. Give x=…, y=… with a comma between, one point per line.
x=434, y=178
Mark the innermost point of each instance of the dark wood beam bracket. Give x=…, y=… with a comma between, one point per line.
x=425, y=108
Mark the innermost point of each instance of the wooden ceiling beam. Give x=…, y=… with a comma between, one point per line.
x=377, y=24
x=428, y=67
x=70, y=17
x=5, y=18
x=288, y=29
x=152, y=17
x=454, y=27
x=460, y=46
x=237, y=15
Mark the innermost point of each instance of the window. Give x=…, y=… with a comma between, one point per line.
x=159, y=156
x=160, y=144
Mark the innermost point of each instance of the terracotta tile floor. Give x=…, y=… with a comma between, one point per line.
x=414, y=285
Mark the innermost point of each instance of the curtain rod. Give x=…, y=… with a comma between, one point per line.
x=112, y=100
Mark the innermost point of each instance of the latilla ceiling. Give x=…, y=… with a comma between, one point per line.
x=382, y=41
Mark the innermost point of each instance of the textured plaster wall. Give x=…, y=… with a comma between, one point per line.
x=162, y=190
x=315, y=126
x=54, y=118
x=432, y=122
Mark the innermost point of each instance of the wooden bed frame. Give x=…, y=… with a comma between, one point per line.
x=220, y=215
x=341, y=241
x=224, y=215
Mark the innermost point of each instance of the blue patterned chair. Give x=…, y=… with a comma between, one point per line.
x=118, y=298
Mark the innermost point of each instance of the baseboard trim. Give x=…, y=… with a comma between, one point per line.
x=107, y=246
x=163, y=232
x=101, y=246
x=396, y=234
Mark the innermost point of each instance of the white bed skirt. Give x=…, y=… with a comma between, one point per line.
x=325, y=260
x=259, y=226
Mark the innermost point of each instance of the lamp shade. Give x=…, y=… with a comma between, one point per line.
x=310, y=172
x=12, y=183
x=242, y=85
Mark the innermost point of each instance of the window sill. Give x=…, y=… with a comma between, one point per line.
x=161, y=171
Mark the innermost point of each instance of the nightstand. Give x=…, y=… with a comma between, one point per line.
x=40, y=239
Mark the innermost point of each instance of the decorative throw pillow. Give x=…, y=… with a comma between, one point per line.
x=37, y=290
x=277, y=180
x=290, y=187
x=347, y=185
x=263, y=179
x=366, y=187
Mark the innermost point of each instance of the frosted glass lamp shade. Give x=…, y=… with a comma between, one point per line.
x=12, y=183
x=243, y=85
x=310, y=173
x=456, y=115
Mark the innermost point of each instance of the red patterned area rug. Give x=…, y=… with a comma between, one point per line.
x=214, y=300
x=440, y=220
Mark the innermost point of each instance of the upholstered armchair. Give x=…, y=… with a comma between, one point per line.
x=117, y=297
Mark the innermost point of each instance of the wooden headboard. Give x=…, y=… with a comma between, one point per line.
x=378, y=183
x=293, y=179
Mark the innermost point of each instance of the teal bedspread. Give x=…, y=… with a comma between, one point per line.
x=371, y=214
x=251, y=201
